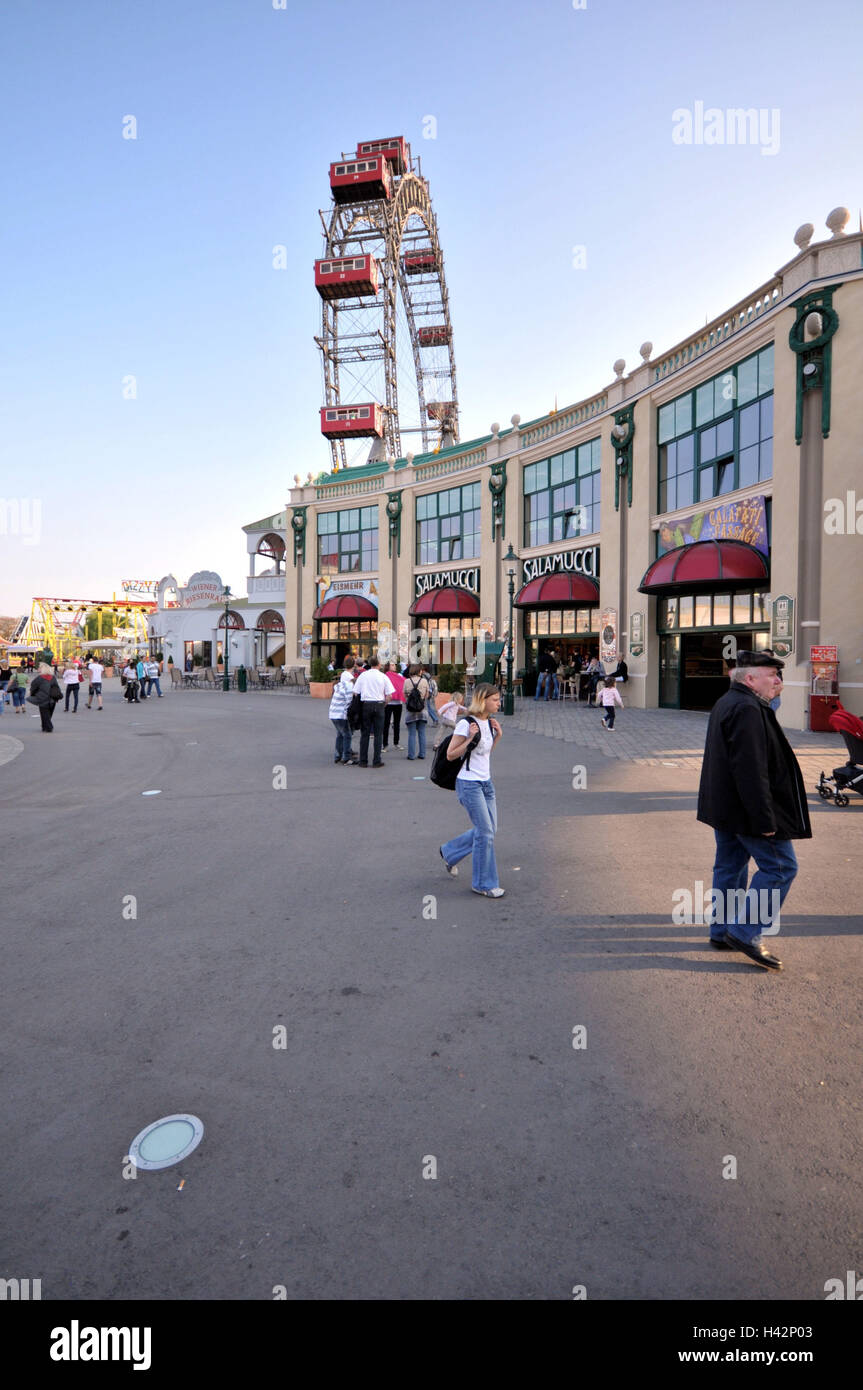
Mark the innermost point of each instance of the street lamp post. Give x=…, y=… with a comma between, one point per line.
x=226, y=680
x=508, y=703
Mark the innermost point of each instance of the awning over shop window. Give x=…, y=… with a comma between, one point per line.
x=446, y=603
x=705, y=566
x=347, y=607
x=557, y=591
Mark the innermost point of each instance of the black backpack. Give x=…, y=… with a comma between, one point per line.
x=355, y=711
x=445, y=771
x=415, y=702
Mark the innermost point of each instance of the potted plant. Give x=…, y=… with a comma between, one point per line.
x=321, y=680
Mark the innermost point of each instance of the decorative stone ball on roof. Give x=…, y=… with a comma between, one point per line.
x=837, y=219
x=619, y=368
x=646, y=349
x=804, y=235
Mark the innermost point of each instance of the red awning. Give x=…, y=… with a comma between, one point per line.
x=705, y=566
x=347, y=607
x=557, y=591
x=446, y=603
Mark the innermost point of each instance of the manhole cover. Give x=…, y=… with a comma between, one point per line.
x=166, y=1142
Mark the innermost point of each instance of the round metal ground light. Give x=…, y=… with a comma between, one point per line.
x=166, y=1142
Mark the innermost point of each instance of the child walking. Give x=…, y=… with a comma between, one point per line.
x=609, y=697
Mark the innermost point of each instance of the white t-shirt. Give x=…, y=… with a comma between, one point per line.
x=479, y=770
x=72, y=676
x=96, y=671
x=373, y=685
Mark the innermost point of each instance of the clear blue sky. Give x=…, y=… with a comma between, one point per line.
x=153, y=257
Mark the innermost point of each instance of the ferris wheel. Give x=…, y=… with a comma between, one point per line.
x=386, y=338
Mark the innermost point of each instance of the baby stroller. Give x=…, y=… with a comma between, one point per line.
x=849, y=777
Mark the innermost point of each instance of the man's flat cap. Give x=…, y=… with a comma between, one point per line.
x=760, y=659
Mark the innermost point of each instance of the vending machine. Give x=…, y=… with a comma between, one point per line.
x=823, y=686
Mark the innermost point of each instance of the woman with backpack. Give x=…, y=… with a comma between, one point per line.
x=476, y=735
x=415, y=693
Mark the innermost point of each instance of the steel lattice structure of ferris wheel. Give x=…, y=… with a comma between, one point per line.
x=386, y=339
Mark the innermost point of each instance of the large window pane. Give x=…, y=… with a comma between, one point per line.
x=748, y=426
x=685, y=610
x=705, y=484
x=707, y=444
x=765, y=460
x=702, y=610
x=569, y=465
x=683, y=414
x=725, y=438
x=721, y=610
x=668, y=611
x=685, y=453
x=684, y=489
x=666, y=423
x=766, y=409
x=556, y=465
x=725, y=477
x=742, y=608
x=667, y=461
x=704, y=404
x=748, y=466
x=747, y=381
x=765, y=370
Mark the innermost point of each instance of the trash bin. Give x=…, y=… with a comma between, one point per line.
x=241, y=678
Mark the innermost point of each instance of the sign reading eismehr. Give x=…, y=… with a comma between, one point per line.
x=444, y=579
x=584, y=561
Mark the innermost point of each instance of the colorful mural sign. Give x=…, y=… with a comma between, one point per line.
x=608, y=637
x=728, y=521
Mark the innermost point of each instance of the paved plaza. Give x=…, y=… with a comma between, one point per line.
x=466, y=1098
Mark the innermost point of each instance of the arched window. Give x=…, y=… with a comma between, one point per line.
x=272, y=547
x=234, y=620
x=271, y=621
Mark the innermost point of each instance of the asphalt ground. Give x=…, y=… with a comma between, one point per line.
x=421, y=1022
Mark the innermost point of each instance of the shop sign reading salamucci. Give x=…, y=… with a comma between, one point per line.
x=445, y=579
x=585, y=561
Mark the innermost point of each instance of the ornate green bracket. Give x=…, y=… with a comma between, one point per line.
x=622, y=435
x=497, y=488
x=394, y=513
x=813, y=354
x=298, y=526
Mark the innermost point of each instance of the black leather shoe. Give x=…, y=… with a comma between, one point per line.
x=720, y=943
x=757, y=954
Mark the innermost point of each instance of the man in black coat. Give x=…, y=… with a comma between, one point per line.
x=752, y=793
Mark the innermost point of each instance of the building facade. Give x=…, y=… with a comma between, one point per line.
x=704, y=501
x=189, y=623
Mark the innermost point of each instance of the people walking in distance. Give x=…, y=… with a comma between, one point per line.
x=71, y=682
x=475, y=791
x=141, y=672
x=18, y=688
x=416, y=693
x=45, y=693
x=546, y=677
x=96, y=670
x=130, y=676
x=431, y=707
x=373, y=688
x=152, y=669
x=343, y=692
x=609, y=699
x=5, y=681
x=752, y=793
x=394, y=706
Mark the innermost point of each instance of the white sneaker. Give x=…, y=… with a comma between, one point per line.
x=489, y=892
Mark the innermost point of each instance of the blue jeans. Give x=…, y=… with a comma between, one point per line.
x=343, y=740
x=478, y=800
x=776, y=869
x=417, y=730
x=547, y=680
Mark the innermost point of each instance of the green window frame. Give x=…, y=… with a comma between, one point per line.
x=562, y=495
x=448, y=525
x=348, y=540
x=718, y=437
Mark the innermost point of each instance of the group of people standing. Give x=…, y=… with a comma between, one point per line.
x=552, y=669
x=139, y=678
